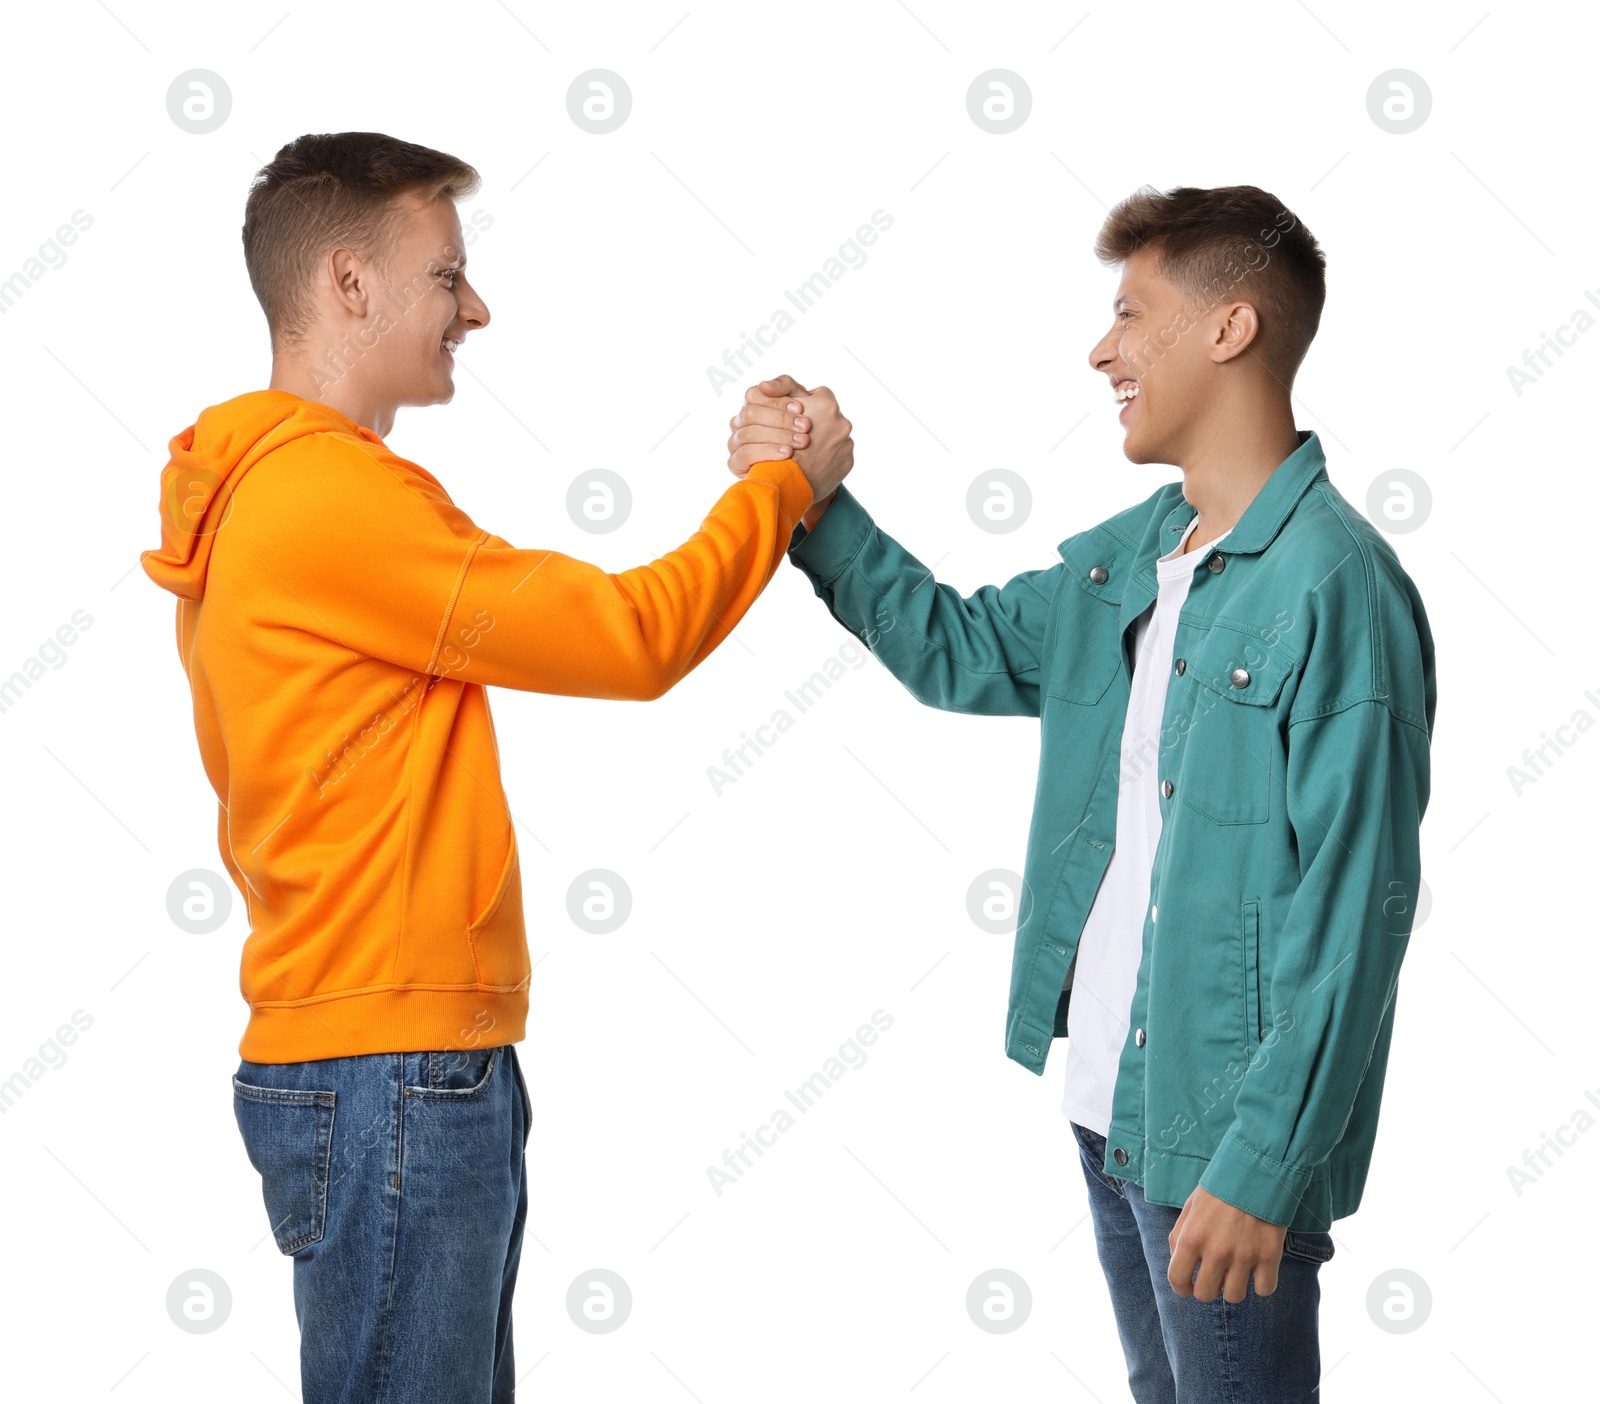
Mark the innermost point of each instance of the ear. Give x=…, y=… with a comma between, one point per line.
x=348, y=277
x=1231, y=328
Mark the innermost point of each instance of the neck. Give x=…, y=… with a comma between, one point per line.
x=1231, y=459
x=310, y=380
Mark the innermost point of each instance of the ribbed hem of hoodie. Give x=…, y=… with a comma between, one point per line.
x=404, y=1020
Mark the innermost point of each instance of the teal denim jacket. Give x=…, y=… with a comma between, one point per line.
x=1293, y=776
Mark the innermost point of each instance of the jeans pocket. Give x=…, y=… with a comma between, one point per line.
x=522, y=1086
x=458, y=1074
x=1313, y=1247
x=288, y=1135
x=1086, y=1140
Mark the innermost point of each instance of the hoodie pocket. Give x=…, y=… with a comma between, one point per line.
x=499, y=945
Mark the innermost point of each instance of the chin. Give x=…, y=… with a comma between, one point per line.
x=1143, y=448
x=1135, y=452
x=423, y=396
x=440, y=391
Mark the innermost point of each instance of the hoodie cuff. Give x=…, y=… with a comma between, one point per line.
x=794, y=488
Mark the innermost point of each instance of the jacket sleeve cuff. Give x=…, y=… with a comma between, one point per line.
x=1249, y=1180
x=825, y=552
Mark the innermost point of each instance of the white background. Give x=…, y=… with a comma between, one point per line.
x=770, y=922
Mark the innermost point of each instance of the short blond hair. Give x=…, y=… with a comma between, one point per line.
x=329, y=190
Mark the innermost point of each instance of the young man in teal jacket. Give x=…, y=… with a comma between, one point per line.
x=1235, y=684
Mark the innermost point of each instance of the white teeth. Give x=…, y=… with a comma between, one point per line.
x=1127, y=390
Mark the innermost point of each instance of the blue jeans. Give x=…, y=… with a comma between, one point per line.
x=1179, y=1350
x=398, y=1184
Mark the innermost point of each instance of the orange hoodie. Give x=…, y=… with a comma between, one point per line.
x=340, y=621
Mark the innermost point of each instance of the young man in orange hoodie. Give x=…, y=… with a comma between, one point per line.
x=340, y=620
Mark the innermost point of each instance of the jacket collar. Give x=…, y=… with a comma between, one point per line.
x=1129, y=565
x=1269, y=509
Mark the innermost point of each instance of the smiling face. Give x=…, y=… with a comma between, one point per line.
x=1161, y=358
x=423, y=306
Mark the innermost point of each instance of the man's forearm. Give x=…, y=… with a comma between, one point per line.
x=566, y=626
x=978, y=653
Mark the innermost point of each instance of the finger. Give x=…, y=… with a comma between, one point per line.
x=783, y=402
x=1235, y=1284
x=1177, y=1227
x=1180, y=1271
x=1266, y=1276
x=780, y=418
x=781, y=385
x=764, y=434
x=1208, y=1281
x=744, y=459
x=753, y=396
x=738, y=446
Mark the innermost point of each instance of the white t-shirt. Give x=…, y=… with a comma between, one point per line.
x=1112, y=943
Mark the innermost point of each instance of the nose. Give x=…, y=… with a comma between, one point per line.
x=1104, y=352
x=471, y=309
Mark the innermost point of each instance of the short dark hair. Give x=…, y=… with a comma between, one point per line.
x=1207, y=241
x=327, y=190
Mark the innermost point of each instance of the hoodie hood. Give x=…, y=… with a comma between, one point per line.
x=209, y=459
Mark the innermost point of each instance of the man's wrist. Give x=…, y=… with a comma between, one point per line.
x=813, y=514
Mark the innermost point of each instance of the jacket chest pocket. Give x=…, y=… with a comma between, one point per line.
x=1232, y=751
x=1086, y=649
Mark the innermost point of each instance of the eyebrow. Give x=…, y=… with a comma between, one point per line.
x=1118, y=303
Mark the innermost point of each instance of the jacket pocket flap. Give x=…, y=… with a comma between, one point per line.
x=1240, y=667
x=1098, y=547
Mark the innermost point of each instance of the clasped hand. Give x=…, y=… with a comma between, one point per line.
x=780, y=418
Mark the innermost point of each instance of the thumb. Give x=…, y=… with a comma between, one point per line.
x=783, y=385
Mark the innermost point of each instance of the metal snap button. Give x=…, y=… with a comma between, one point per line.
x=1138, y=1038
x=1239, y=677
x=1179, y=666
x=1166, y=789
x=1099, y=574
x=1214, y=565
x=1120, y=1156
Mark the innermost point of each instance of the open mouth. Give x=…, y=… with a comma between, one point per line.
x=448, y=347
x=1126, y=392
